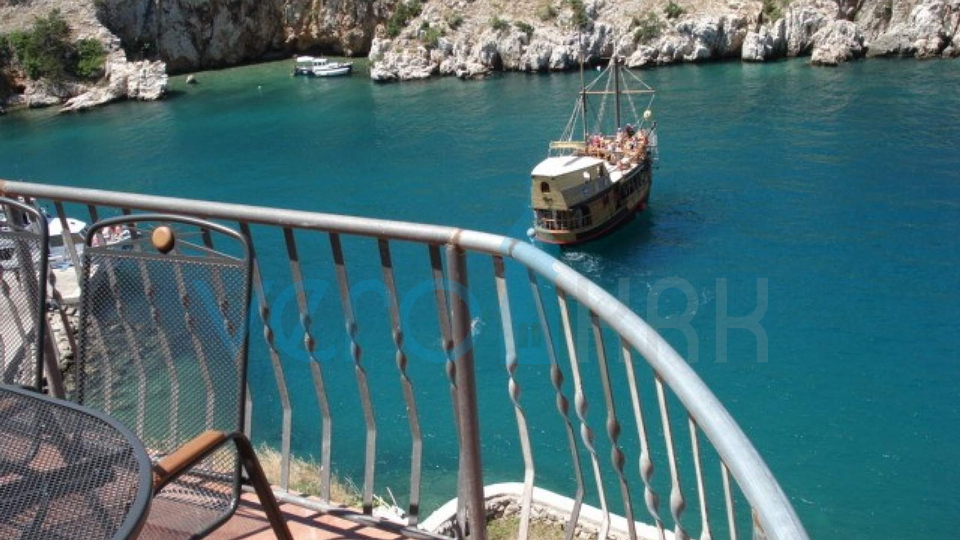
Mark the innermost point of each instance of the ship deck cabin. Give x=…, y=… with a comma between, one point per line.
x=599, y=181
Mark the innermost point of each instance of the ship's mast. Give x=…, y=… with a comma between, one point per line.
x=616, y=84
x=583, y=89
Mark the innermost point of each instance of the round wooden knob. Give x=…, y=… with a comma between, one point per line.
x=162, y=239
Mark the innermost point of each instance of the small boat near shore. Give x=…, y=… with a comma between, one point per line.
x=599, y=174
x=58, y=252
x=315, y=66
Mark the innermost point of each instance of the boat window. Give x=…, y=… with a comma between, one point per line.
x=545, y=187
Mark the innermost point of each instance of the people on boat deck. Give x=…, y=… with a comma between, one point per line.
x=628, y=139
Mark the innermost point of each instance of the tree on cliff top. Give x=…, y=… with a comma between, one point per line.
x=46, y=51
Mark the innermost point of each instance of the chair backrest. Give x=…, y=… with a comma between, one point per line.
x=23, y=290
x=163, y=335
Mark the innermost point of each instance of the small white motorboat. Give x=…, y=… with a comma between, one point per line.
x=315, y=66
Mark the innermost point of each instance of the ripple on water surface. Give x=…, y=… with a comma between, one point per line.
x=839, y=187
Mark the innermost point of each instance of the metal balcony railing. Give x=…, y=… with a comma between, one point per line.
x=586, y=314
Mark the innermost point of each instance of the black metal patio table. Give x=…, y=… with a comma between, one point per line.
x=68, y=472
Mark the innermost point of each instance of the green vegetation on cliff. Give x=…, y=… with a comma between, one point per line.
x=430, y=35
x=405, y=11
x=524, y=27
x=579, y=13
x=6, y=52
x=773, y=9
x=46, y=51
x=546, y=12
x=647, y=28
x=673, y=10
x=499, y=24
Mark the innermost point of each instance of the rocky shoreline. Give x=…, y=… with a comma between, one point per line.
x=121, y=79
x=827, y=31
x=419, y=39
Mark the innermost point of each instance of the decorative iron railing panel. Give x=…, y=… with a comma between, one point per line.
x=376, y=315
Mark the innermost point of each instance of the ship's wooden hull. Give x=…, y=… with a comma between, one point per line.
x=604, y=223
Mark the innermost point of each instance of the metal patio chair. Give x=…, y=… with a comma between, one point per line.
x=23, y=271
x=68, y=472
x=163, y=348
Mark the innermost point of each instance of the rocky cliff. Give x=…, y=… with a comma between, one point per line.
x=186, y=35
x=470, y=39
x=122, y=78
x=190, y=35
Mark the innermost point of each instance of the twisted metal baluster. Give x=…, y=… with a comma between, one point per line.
x=68, y=238
x=264, y=311
x=95, y=217
x=132, y=345
x=309, y=343
x=201, y=357
x=443, y=315
x=30, y=282
x=563, y=406
x=728, y=495
x=167, y=355
x=363, y=387
x=61, y=312
x=223, y=303
x=581, y=406
x=677, y=503
x=25, y=339
x=646, y=464
x=529, y=473
x=446, y=337
x=705, y=533
x=223, y=299
x=613, y=426
x=416, y=438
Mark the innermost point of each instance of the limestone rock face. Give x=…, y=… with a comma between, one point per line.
x=121, y=79
x=404, y=65
x=929, y=29
x=695, y=39
x=145, y=81
x=44, y=94
x=837, y=42
x=472, y=38
x=766, y=44
x=804, y=20
x=190, y=35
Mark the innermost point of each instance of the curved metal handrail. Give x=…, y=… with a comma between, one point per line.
x=775, y=512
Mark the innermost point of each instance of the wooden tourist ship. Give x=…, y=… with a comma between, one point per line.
x=599, y=174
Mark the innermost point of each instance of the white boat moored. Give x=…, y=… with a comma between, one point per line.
x=316, y=66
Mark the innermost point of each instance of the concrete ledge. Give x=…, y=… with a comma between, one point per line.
x=503, y=500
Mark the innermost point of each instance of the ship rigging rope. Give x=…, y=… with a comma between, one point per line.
x=597, y=118
x=630, y=99
x=633, y=109
x=572, y=122
x=603, y=102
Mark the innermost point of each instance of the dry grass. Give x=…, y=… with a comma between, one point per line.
x=305, y=477
x=506, y=529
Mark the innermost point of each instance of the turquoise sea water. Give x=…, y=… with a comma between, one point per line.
x=839, y=187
